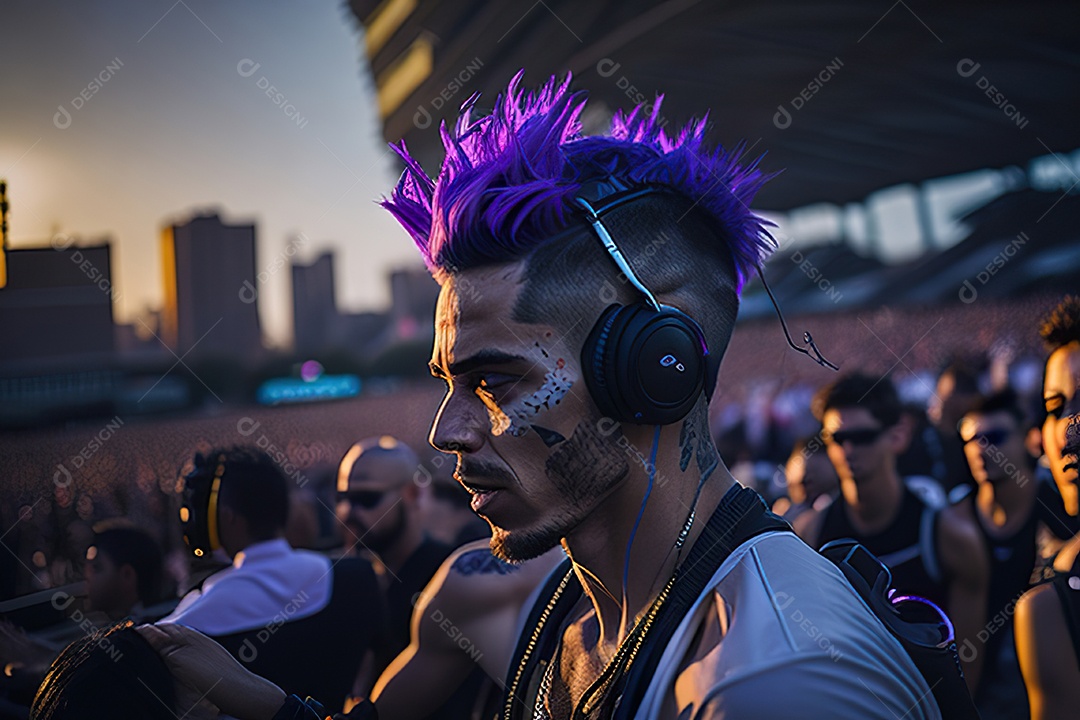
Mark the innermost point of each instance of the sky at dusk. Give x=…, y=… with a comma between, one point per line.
x=119, y=117
x=166, y=114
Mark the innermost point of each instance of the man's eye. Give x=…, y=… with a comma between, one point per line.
x=1055, y=404
x=492, y=381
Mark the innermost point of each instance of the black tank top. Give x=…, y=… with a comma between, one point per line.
x=318, y=655
x=1067, y=587
x=908, y=547
x=1012, y=561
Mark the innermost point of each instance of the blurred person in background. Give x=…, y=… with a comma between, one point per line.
x=380, y=504
x=289, y=615
x=812, y=483
x=124, y=579
x=956, y=393
x=1048, y=616
x=447, y=515
x=124, y=573
x=1010, y=507
x=934, y=553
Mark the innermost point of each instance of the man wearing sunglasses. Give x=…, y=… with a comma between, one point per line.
x=379, y=504
x=936, y=554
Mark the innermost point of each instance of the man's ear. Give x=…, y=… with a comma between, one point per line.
x=1033, y=442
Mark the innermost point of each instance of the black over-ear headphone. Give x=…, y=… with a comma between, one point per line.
x=644, y=363
x=199, y=510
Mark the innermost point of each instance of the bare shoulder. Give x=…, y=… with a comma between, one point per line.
x=473, y=582
x=1044, y=649
x=1038, y=613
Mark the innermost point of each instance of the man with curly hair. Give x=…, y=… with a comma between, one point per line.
x=1048, y=616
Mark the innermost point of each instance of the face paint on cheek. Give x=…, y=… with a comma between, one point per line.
x=500, y=421
x=514, y=420
x=550, y=437
x=557, y=384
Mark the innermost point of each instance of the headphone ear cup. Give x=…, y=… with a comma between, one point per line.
x=664, y=369
x=643, y=366
x=194, y=521
x=597, y=361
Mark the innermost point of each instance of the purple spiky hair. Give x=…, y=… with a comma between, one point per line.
x=509, y=179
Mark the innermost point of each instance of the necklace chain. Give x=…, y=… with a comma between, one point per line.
x=628, y=649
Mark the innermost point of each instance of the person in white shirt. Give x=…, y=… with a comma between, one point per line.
x=289, y=615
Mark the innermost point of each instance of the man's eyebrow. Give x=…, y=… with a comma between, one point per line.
x=481, y=359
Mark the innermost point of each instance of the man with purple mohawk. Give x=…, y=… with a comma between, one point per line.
x=589, y=289
x=590, y=286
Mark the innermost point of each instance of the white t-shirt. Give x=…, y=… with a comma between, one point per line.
x=789, y=638
x=268, y=582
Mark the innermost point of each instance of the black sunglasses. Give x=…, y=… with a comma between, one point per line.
x=990, y=437
x=864, y=436
x=366, y=499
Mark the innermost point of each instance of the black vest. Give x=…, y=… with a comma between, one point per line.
x=908, y=547
x=318, y=655
x=741, y=515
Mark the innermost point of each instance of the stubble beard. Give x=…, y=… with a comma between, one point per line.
x=582, y=469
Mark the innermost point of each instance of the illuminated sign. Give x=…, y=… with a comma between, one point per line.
x=292, y=390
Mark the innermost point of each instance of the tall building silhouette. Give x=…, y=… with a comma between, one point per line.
x=211, y=289
x=319, y=326
x=314, y=310
x=413, y=297
x=57, y=306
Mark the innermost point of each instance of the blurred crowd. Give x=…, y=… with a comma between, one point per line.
x=322, y=579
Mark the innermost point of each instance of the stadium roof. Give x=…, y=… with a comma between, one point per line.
x=849, y=97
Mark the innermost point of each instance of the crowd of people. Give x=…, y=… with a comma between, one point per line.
x=622, y=571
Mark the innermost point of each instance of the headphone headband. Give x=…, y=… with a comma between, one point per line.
x=644, y=363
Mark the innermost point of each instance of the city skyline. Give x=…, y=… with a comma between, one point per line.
x=130, y=117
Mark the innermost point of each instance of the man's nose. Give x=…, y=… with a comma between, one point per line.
x=460, y=424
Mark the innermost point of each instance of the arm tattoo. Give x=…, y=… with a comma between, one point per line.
x=482, y=562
